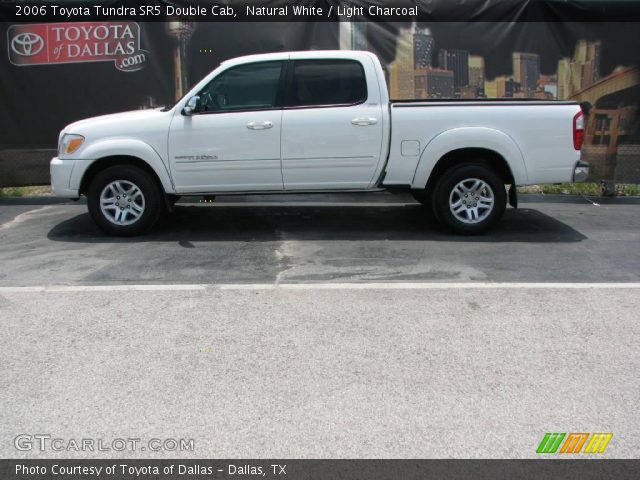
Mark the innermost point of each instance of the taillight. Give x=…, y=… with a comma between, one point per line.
x=578, y=130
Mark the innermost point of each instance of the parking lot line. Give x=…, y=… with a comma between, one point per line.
x=322, y=286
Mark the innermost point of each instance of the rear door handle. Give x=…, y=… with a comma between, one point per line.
x=364, y=121
x=259, y=125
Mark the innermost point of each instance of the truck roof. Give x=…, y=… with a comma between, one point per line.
x=350, y=54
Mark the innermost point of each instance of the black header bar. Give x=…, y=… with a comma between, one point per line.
x=27, y=11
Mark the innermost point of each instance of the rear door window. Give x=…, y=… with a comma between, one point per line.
x=315, y=83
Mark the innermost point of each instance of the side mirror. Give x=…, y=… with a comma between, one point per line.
x=193, y=106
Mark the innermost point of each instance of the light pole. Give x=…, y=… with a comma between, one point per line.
x=181, y=32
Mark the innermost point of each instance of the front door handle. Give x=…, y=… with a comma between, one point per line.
x=364, y=121
x=259, y=125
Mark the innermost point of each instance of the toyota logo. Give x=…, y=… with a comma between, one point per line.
x=27, y=44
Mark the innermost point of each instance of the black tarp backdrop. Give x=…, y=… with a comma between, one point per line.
x=39, y=100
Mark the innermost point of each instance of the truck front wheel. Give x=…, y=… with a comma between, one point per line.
x=469, y=198
x=124, y=200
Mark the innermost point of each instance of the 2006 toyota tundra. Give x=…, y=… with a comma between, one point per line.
x=316, y=121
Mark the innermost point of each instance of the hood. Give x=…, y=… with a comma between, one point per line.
x=119, y=121
x=147, y=126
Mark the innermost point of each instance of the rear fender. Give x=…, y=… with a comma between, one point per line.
x=469, y=137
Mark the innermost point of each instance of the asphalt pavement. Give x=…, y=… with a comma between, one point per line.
x=321, y=238
x=321, y=327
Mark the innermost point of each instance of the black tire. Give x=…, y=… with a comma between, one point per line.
x=423, y=197
x=444, y=193
x=152, y=201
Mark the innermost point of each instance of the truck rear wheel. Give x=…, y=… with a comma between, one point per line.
x=469, y=198
x=124, y=200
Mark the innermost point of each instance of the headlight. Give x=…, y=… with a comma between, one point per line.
x=70, y=143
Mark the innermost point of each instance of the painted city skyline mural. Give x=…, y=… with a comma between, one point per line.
x=423, y=69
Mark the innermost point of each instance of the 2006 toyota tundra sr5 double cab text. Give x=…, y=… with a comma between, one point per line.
x=316, y=121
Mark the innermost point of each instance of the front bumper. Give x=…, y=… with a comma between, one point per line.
x=580, y=171
x=61, y=174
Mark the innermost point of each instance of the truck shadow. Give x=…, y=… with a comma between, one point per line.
x=191, y=223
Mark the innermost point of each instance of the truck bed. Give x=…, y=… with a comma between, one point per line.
x=534, y=136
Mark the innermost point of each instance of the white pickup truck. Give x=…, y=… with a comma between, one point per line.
x=317, y=121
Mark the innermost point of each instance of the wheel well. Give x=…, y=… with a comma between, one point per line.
x=488, y=157
x=106, y=162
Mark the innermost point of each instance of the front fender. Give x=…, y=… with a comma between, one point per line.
x=121, y=147
x=469, y=137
